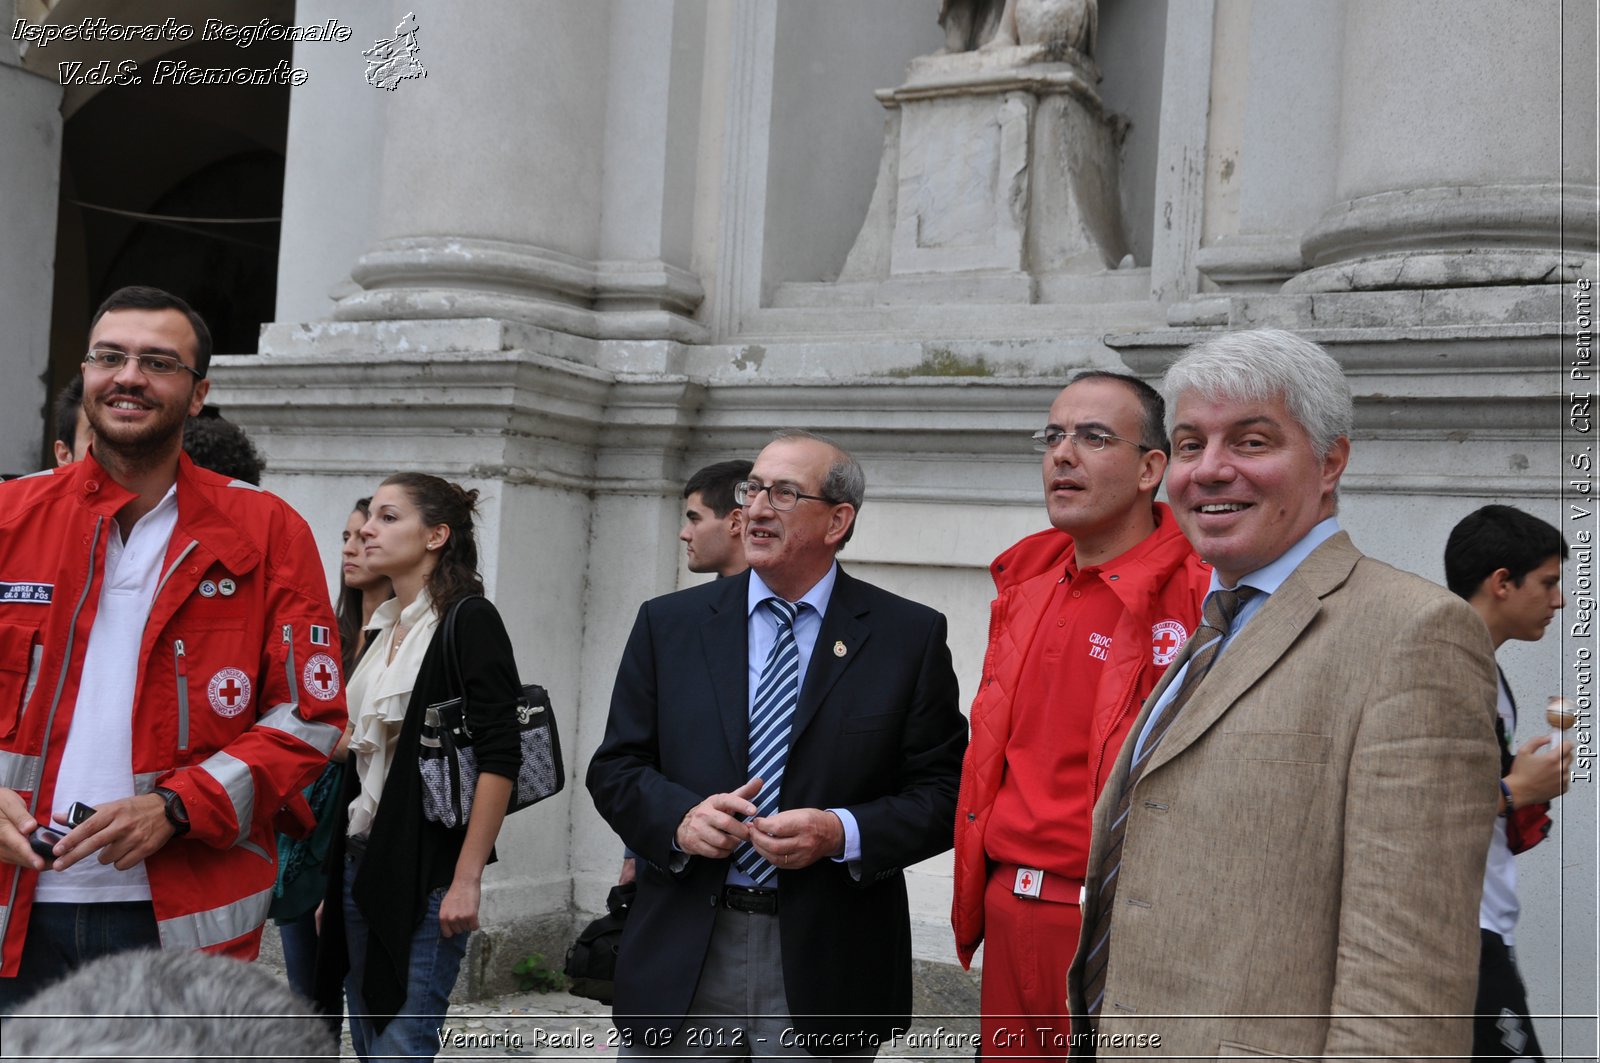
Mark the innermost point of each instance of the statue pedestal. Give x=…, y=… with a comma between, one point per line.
x=998, y=181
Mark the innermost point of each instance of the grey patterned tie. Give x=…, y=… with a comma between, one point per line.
x=771, y=720
x=1217, y=617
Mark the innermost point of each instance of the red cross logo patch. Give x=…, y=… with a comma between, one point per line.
x=1166, y=639
x=229, y=692
x=321, y=677
x=1028, y=883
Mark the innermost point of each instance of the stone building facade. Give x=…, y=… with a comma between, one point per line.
x=596, y=244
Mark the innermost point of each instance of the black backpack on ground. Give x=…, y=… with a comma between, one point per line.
x=592, y=959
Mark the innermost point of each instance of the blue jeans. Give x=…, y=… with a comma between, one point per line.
x=63, y=937
x=299, y=937
x=435, y=962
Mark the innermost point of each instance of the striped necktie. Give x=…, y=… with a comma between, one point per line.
x=771, y=720
x=1217, y=617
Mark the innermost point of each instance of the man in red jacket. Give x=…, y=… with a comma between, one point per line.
x=167, y=660
x=1087, y=618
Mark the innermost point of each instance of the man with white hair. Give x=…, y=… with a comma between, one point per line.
x=1287, y=857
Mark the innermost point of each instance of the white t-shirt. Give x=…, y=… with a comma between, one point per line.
x=97, y=764
x=1499, y=908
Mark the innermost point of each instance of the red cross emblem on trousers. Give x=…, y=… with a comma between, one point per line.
x=1028, y=883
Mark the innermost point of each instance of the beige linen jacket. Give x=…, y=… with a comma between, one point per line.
x=1304, y=855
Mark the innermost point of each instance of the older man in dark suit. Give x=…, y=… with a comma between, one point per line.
x=781, y=744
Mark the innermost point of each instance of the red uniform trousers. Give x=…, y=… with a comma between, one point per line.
x=1027, y=947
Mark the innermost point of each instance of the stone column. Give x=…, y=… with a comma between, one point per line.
x=333, y=166
x=1452, y=170
x=516, y=224
x=489, y=201
x=1273, y=146
x=30, y=168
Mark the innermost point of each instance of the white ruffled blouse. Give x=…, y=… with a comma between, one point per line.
x=379, y=694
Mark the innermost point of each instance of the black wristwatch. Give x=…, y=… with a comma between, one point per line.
x=177, y=815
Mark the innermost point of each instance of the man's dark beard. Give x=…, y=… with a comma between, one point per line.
x=148, y=447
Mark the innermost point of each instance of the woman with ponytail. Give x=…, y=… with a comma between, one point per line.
x=409, y=893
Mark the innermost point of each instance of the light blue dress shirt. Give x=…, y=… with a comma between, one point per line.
x=763, y=633
x=1267, y=580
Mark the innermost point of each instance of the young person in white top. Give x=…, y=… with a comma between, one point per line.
x=1507, y=565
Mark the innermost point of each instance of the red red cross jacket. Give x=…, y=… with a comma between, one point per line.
x=1169, y=583
x=238, y=700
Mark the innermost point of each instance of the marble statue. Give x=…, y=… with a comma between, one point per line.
x=1046, y=30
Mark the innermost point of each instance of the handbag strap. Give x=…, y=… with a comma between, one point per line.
x=452, y=661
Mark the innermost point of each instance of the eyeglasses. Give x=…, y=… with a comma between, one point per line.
x=783, y=497
x=149, y=364
x=1048, y=439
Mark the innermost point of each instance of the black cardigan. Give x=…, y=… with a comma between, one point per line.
x=408, y=857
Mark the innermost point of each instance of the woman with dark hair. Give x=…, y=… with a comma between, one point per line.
x=409, y=893
x=302, y=878
x=362, y=592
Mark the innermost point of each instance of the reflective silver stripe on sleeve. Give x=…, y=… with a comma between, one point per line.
x=143, y=784
x=233, y=775
x=19, y=772
x=218, y=925
x=319, y=736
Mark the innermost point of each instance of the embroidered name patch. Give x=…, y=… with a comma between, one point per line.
x=1167, y=638
x=321, y=677
x=229, y=692
x=36, y=593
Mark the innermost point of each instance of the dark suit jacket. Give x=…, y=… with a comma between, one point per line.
x=878, y=731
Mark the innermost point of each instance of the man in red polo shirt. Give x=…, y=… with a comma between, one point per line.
x=1088, y=615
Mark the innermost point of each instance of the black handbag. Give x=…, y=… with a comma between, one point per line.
x=449, y=765
x=592, y=959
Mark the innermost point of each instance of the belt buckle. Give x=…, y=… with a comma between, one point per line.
x=1028, y=883
x=750, y=901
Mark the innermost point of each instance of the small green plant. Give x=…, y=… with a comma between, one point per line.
x=942, y=361
x=536, y=975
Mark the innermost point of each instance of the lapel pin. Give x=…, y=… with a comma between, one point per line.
x=208, y=589
x=227, y=587
x=838, y=648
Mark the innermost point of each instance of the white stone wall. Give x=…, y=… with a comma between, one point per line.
x=30, y=128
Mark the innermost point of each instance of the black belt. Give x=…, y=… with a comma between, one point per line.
x=755, y=902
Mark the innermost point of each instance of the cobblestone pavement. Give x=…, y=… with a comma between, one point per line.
x=563, y=1026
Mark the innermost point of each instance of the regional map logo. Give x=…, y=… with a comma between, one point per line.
x=392, y=61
